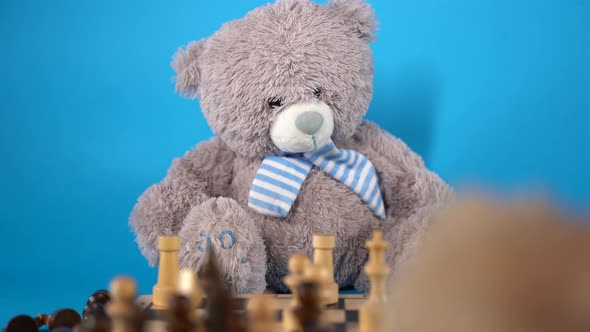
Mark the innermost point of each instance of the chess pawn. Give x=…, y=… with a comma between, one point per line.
x=297, y=265
x=323, y=246
x=371, y=314
x=188, y=285
x=168, y=269
x=125, y=315
x=261, y=311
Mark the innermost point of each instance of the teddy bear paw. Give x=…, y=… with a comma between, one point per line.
x=221, y=225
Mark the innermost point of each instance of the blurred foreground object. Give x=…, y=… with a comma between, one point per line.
x=487, y=265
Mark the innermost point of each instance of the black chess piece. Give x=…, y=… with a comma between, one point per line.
x=101, y=296
x=22, y=323
x=95, y=322
x=62, y=329
x=96, y=303
x=64, y=318
x=94, y=315
x=180, y=315
x=94, y=309
x=309, y=310
x=219, y=314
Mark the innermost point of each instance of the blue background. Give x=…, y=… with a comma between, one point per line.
x=494, y=92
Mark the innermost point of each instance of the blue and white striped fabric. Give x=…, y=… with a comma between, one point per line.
x=279, y=179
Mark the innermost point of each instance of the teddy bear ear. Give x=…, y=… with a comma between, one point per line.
x=188, y=72
x=358, y=14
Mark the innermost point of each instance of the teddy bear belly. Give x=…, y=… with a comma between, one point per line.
x=323, y=206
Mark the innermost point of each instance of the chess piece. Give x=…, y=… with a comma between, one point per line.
x=297, y=265
x=323, y=246
x=371, y=314
x=96, y=303
x=63, y=329
x=22, y=323
x=101, y=296
x=95, y=321
x=95, y=309
x=219, y=315
x=309, y=308
x=64, y=318
x=42, y=320
x=180, y=314
x=124, y=313
x=321, y=275
x=167, y=272
x=261, y=313
x=188, y=285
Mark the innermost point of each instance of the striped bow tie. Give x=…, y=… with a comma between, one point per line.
x=279, y=179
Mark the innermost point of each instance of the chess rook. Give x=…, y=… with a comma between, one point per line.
x=371, y=314
x=168, y=270
x=323, y=256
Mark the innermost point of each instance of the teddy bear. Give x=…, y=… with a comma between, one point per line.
x=285, y=90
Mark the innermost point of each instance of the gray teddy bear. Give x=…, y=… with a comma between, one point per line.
x=285, y=90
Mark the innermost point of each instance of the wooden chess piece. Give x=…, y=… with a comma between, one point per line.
x=180, y=314
x=124, y=313
x=22, y=323
x=42, y=320
x=309, y=309
x=219, y=312
x=64, y=318
x=168, y=270
x=94, y=315
x=95, y=321
x=67, y=318
x=188, y=285
x=96, y=303
x=297, y=265
x=371, y=314
x=261, y=311
x=321, y=275
x=323, y=246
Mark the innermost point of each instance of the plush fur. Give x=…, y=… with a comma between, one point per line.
x=286, y=50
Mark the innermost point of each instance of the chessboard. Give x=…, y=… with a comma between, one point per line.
x=342, y=316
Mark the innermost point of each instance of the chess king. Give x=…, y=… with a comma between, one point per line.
x=285, y=90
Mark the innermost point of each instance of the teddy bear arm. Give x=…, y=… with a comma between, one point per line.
x=406, y=183
x=199, y=175
x=411, y=193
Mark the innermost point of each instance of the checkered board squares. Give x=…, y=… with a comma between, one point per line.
x=343, y=316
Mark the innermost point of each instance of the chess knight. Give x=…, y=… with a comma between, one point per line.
x=285, y=90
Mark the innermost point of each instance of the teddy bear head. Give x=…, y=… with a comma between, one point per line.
x=286, y=78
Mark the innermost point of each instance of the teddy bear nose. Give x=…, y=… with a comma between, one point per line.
x=309, y=122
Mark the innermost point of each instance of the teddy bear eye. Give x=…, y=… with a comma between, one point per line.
x=317, y=92
x=275, y=102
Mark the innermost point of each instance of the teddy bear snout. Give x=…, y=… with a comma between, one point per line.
x=309, y=122
x=302, y=127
